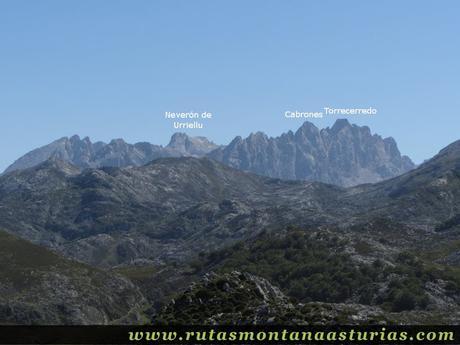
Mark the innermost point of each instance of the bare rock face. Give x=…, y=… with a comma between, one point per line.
x=344, y=155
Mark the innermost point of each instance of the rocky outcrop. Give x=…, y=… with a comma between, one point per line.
x=244, y=298
x=231, y=298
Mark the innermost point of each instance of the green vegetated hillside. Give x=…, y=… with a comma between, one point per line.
x=346, y=276
x=38, y=286
x=243, y=298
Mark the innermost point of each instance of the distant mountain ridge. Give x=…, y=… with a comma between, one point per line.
x=117, y=153
x=343, y=155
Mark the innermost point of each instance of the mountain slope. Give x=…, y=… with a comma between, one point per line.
x=344, y=155
x=427, y=197
x=327, y=276
x=40, y=287
x=168, y=208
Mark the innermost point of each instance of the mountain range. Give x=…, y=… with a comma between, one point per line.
x=344, y=154
x=191, y=238
x=85, y=154
x=172, y=206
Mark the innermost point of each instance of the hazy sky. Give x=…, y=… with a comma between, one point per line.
x=109, y=69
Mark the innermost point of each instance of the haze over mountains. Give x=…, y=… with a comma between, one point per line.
x=344, y=154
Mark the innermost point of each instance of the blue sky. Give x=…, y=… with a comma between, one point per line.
x=109, y=69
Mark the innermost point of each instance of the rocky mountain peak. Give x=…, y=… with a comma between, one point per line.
x=74, y=138
x=307, y=128
x=117, y=142
x=257, y=137
x=178, y=139
x=184, y=145
x=339, y=125
x=235, y=141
